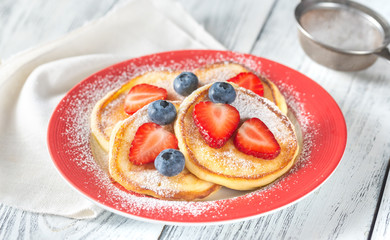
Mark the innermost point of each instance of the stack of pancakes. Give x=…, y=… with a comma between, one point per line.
x=207, y=168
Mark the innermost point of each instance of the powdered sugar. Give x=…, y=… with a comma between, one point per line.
x=77, y=107
x=303, y=121
x=151, y=179
x=251, y=106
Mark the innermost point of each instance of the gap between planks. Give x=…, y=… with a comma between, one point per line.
x=380, y=198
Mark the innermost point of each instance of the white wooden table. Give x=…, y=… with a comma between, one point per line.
x=353, y=204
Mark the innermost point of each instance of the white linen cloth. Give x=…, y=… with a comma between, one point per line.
x=33, y=82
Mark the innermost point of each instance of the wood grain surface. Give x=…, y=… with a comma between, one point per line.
x=354, y=203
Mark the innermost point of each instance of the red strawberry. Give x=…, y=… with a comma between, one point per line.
x=216, y=122
x=142, y=94
x=249, y=81
x=149, y=140
x=254, y=138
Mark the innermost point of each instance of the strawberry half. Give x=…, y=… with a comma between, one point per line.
x=254, y=138
x=149, y=140
x=216, y=122
x=142, y=94
x=249, y=81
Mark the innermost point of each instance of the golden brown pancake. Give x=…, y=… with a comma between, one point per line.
x=110, y=109
x=145, y=179
x=227, y=166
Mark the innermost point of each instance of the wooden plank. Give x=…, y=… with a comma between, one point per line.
x=381, y=228
x=24, y=24
x=236, y=24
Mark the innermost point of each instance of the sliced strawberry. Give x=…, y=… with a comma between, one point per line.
x=149, y=140
x=216, y=122
x=249, y=81
x=142, y=94
x=254, y=138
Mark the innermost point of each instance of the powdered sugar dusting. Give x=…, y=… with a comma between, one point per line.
x=156, y=182
x=251, y=106
x=76, y=109
x=304, y=121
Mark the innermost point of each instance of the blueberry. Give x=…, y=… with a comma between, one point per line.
x=161, y=112
x=170, y=162
x=185, y=83
x=222, y=92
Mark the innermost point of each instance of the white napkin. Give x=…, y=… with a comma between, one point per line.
x=33, y=82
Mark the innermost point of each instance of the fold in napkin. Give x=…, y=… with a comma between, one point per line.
x=33, y=82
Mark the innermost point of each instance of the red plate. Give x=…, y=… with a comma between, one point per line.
x=322, y=123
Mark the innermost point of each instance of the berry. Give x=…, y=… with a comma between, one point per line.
x=216, y=122
x=254, y=138
x=161, y=112
x=142, y=94
x=149, y=140
x=249, y=81
x=222, y=92
x=185, y=83
x=170, y=162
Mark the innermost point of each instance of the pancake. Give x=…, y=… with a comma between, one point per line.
x=145, y=179
x=224, y=71
x=227, y=166
x=110, y=109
